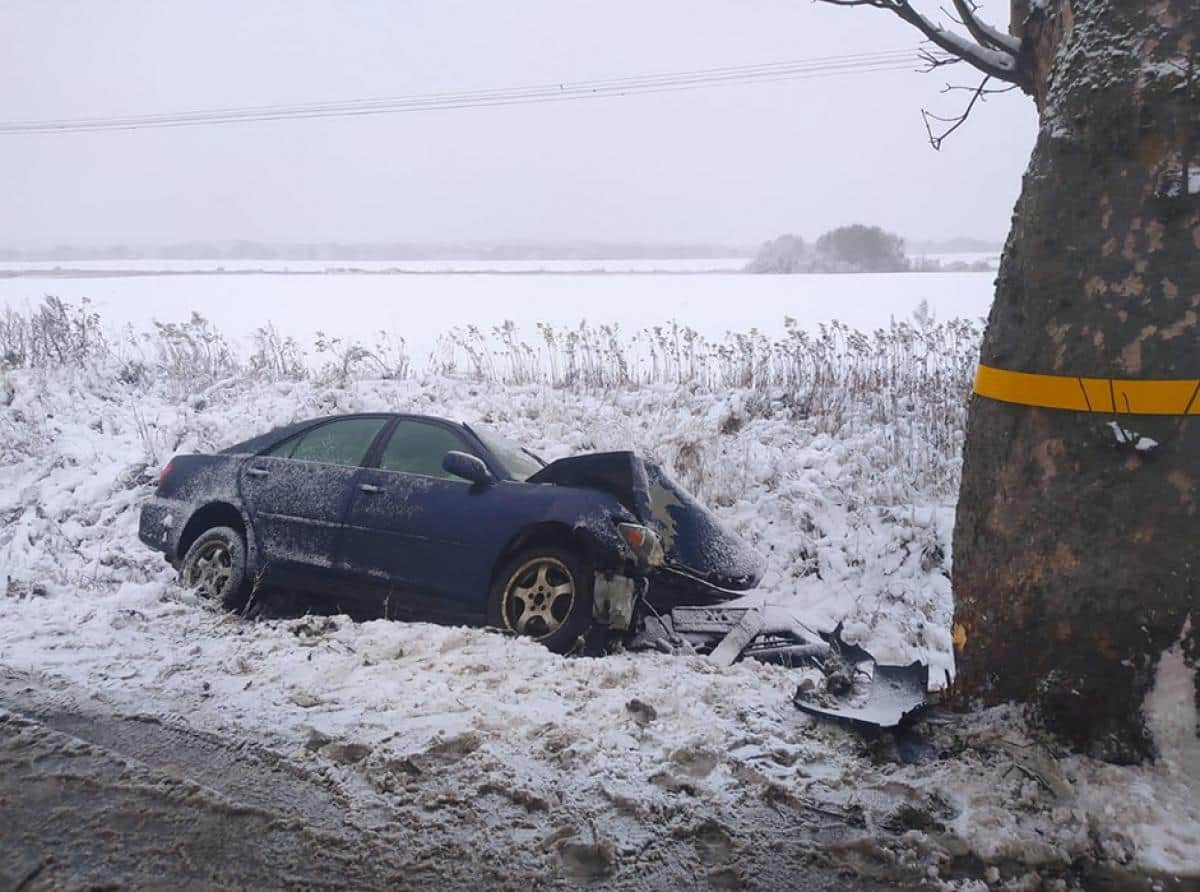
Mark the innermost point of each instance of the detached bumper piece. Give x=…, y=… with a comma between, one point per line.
x=856, y=689
x=727, y=634
x=890, y=696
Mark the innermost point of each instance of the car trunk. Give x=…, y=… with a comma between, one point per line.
x=694, y=541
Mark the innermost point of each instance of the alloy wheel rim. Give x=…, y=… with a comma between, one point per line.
x=539, y=597
x=210, y=570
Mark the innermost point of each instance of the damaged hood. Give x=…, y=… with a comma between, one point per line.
x=694, y=541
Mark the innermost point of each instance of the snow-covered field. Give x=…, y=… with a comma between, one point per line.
x=560, y=770
x=609, y=265
x=421, y=308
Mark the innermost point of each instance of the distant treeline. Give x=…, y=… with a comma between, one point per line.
x=849, y=249
x=478, y=250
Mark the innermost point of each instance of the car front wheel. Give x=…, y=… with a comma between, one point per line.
x=543, y=593
x=215, y=567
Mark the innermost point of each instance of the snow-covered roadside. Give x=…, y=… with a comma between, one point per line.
x=844, y=535
x=611, y=752
x=622, y=749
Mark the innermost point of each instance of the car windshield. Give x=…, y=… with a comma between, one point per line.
x=519, y=462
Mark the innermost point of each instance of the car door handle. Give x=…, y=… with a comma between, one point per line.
x=257, y=472
x=370, y=487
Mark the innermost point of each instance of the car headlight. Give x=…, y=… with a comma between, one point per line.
x=643, y=542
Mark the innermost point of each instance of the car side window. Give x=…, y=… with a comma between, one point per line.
x=284, y=449
x=418, y=448
x=336, y=443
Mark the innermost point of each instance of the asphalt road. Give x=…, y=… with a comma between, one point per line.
x=101, y=801
x=132, y=805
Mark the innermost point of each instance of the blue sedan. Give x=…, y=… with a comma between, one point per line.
x=423, y=518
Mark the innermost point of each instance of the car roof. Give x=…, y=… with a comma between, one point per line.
x=279, y=434
x=408, y=415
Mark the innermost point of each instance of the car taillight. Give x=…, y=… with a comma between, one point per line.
x=165, y=472
x=643, y=541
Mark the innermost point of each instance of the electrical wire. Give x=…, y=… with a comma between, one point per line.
x=803, y=69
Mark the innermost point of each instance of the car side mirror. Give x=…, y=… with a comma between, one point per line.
x=469, y=467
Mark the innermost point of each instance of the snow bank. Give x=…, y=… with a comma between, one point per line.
x=617, y=752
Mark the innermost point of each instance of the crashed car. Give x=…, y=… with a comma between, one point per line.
x=424, y=518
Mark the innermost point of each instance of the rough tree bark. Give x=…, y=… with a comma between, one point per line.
x=1076, y=556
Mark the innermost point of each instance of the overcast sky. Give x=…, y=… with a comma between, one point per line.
x=733, y=164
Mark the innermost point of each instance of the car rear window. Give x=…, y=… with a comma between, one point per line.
x=337, y=443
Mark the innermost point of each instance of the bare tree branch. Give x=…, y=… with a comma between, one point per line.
x=998, y=63
x=936, y=139
x=992, y=52
x=984, y=33
x=948, y=14
x=950, y=88
x=932, y=61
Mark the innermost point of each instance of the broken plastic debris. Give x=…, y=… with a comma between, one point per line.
x=889, y=695
x=894, y=694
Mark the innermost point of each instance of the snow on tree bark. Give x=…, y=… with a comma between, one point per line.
x=1076, y=556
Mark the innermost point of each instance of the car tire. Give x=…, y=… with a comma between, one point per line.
x=215, y=567
x=544, y=593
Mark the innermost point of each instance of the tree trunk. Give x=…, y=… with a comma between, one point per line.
x=1076, y=556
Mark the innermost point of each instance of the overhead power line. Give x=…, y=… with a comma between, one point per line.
x=800, y=69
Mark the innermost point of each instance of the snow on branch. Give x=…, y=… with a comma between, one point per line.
x=995, y=54
x=984, y=33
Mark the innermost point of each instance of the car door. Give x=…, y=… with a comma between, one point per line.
x=416, y=528
x=297, y=495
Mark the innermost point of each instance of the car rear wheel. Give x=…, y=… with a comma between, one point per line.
x=543, y=593
x=215, y=567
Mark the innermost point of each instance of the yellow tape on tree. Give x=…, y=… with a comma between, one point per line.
x=1112, y=396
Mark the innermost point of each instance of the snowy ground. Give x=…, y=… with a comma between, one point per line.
x=502, y=760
